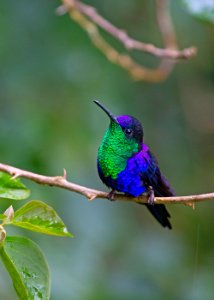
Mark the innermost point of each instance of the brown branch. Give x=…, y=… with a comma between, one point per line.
x=128, y=42
x=137, y=71
x=91, y=194
x=88, y=18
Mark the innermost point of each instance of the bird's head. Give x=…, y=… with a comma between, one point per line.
x=124, y=129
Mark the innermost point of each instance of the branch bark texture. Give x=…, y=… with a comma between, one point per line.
x=91, y=194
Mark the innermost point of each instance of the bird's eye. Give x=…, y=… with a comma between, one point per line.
x=128, y=131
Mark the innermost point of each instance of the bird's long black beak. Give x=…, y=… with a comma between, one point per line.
x=111, y=116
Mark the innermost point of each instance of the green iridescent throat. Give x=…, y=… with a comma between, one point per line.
x=114, y=151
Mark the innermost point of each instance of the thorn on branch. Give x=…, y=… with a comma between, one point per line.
x=15, y=176
x=62, y=10
x=64, y=174
x=91, y=197
x=190, y=204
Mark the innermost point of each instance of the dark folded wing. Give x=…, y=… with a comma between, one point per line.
x=151, y=176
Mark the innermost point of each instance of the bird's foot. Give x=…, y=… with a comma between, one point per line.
x=151, y=195
x=111, y=195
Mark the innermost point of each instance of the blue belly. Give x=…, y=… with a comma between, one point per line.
x=128, y=181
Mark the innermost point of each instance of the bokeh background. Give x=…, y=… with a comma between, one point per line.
x=49, y=75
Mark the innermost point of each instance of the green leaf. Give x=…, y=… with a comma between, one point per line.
x=202, y=9
x=27, y=267
x=12, y=188
x=2, y=217
x=38, y=216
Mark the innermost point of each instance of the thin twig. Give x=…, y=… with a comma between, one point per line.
x=128, y=42
x=91, y=194
x=137, y=71
x=89, y=19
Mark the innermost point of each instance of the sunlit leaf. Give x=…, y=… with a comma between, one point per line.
x=12, y=188
x=27, y=267
x=2, y=217
x=202, y=9
x=38, y=216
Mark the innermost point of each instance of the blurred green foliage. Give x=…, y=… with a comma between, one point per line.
x=49, y=75
x=203, y=10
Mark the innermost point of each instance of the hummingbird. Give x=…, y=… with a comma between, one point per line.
x=125, y=164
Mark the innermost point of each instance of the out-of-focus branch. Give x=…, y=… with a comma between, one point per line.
x=127, y=41
x=88, y=18
x=91, y=194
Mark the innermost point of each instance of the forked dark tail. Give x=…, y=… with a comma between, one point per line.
x=162, y=188
x=160, y=213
